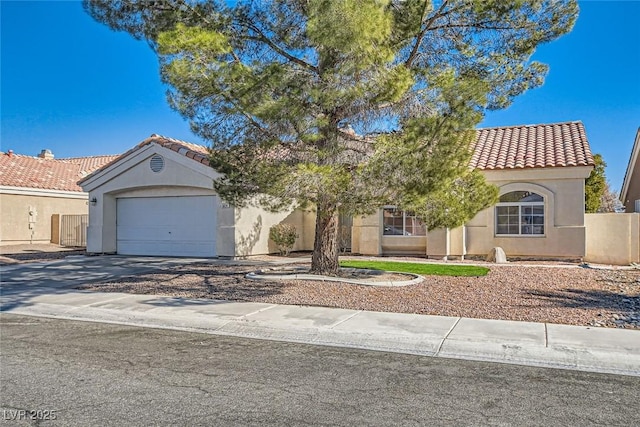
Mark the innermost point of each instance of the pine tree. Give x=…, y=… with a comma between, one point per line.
x=277, y=86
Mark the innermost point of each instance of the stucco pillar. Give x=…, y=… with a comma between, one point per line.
x=438, y=243
x=365, y=239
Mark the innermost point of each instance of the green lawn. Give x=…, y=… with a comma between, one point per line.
x=417, y=268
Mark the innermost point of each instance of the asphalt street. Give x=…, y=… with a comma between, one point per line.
x=104, y=374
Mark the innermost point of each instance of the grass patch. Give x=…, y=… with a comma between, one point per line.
x=418, y=268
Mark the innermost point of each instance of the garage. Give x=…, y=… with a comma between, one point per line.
x=166, y=226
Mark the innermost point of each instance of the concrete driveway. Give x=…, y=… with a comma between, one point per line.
x=20, y=282
x=76, y=270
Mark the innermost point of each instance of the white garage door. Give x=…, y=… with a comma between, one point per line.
x=171, y=226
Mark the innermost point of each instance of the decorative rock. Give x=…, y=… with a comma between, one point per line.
x=497, y=255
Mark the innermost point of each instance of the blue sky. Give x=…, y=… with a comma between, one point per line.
x=73, y=86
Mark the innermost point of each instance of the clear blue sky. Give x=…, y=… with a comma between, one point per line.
x=71, y=85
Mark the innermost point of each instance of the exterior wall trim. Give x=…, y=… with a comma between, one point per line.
x=41, y=192
x=630, y=169
x=123, y=164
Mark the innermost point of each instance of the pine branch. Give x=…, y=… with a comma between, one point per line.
x=416, y=46
x=261, y=37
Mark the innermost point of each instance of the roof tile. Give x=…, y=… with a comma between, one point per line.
x=510, y=147
x=49, y=174
x=196, y=152
x=531, y=146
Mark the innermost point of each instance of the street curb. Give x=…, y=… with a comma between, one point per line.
x=451, y=346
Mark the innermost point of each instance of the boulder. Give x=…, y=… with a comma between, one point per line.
x=497, y=255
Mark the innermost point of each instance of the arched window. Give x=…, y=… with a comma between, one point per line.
x=520, y=213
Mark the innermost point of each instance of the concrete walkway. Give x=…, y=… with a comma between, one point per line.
x=34, y=290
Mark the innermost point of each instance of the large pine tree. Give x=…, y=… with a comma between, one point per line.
x=278, y=88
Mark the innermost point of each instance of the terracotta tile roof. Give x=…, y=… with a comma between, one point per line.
x=196, y=152
x=531, y=146
x=50, y=174
x=511, y=147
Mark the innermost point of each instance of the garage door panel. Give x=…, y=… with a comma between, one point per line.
x=171, y=226
x=145, y=233
x=165, y=248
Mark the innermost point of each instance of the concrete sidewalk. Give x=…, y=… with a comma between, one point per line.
x=536, y=344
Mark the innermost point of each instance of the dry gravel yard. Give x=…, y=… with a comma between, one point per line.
x=554, y=294
x=38, y=252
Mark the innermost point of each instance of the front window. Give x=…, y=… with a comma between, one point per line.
x=520, y=213
x=400, y=223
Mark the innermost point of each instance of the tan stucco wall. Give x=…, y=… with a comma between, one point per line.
x=366, y=235
x=564, y=219
x=563, y=190
x=240, y=232
x=252, y=224
x=403, y=245
x=15, y=219
x=438, y=244
x=132, y=177
x=613, y=238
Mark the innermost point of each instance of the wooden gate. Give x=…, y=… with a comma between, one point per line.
x=73, y=230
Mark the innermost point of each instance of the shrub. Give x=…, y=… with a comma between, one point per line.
x=284, y=236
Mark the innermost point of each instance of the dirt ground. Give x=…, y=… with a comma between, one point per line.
x=17, y=254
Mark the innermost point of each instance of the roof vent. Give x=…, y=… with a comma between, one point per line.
x=46, y=154
x=156, y=163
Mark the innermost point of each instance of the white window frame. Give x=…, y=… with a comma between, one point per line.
x=520, y=206
x=404, y=223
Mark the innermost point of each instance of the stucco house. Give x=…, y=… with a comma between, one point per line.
x=630, y=193
x=540, y=171
x=158, y=199
x=33, y=189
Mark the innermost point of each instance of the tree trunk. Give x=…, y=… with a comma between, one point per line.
x=325, y=246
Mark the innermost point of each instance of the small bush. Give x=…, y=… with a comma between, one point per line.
x=284, y=236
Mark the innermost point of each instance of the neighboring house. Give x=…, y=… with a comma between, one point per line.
x=33, y=189
x=630, y=193
x=158, y=199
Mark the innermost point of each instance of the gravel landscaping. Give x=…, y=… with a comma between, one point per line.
x=555, y=293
